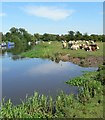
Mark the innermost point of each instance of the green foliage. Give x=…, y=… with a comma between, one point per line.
x=71, y=35
x=81, y=80
x=91, y=84
x=17, y=35
x=22, y=34
x=78, y=36
x=101, y=75
x=49, y=37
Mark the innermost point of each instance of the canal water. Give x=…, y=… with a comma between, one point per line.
x=23, y=76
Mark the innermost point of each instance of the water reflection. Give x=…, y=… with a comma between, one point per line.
x=24, y=76
x=17, y=49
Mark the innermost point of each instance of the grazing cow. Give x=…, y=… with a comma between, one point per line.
x=82, y=46
x=94, y=47
x=87, y=42
x=64, y=44
x=75, y=42
x=98, y=47
x=70, y=43
x=92, y=42
x=91, y=47
x=74, y=47
x=87, y=48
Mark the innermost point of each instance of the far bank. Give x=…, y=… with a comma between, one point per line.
x=54, y=51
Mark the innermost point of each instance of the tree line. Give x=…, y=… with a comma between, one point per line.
x=22, y=36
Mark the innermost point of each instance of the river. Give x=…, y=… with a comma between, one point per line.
x=23, y=76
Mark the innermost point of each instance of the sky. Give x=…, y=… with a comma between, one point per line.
x=52, y=17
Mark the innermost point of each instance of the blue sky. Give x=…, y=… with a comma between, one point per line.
x=53, y=17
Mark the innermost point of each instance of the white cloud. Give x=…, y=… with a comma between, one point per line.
x=53, y=13
x=47, y=68
x=2, y=14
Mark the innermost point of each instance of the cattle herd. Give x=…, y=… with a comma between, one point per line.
x=85, y=45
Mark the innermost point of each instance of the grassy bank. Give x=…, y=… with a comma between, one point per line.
x=45, y=50
x=87, y=104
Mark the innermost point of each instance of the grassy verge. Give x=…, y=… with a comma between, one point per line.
x=45, y=50
x=87, y=104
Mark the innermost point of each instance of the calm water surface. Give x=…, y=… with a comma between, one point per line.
x=21, y=77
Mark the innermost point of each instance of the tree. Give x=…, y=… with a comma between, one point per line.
x=37, y=36
x=71, y=35
x=67, y=37
x=86, y=37
x=46, y=37
x=78, y=35
x=13, y=30
x=22, y=31
x=8, y=36
x=58, y=38
x=62, y=37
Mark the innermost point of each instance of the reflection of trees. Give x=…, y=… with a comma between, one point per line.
x=16, y=57
x=19, y=48
x=57, y=60
x=16, y=50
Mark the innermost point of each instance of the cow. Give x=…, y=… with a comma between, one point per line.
x=87, y=48
x=64, y=44
x=70, y=43
x=94, y=47
x=74, y=47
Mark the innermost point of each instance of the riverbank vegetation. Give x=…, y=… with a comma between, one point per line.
x=45, y=50
x=55, y=52
x=88, y=103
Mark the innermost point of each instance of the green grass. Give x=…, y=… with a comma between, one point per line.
x=44, y=50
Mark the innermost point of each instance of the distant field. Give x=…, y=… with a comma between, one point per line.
x=45, y=50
